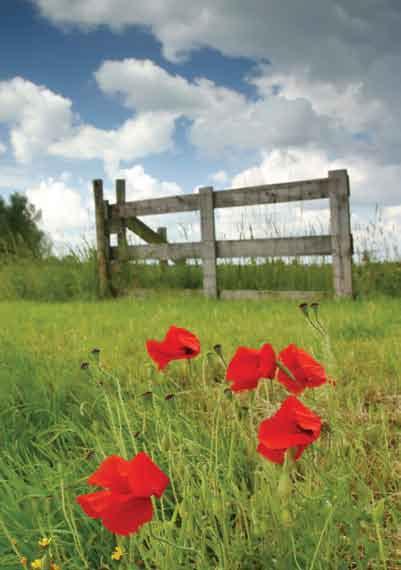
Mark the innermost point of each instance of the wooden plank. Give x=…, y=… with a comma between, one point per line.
x=122, y=242
x=235, y=295
x=271, y=247
x=102, y=240
x=272, y=193
x=246, y=196
x=170, y=204
x=162, y=232
x=143, y=231
x=242, y=294
x=340, y=229
x=275, y=247
x=208, y=237
x=161, y=251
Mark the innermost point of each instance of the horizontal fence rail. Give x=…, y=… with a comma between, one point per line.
x=247, y=196
x=272, y=247
x=117, y=218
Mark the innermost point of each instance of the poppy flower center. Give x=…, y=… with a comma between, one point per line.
x=309, y=432
x=188, y=350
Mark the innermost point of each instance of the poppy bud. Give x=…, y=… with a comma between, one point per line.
x=95, y=352
x=219, y=351
x=304, y=308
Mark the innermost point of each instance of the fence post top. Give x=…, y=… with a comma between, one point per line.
x=205, y=189
x=337, y=173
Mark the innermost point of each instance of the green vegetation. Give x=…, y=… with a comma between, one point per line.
x=19, y=231
x=74, y=277
x=222, y=509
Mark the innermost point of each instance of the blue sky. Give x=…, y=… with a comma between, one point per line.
x=173, y=95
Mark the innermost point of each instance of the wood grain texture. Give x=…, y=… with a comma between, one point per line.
x=208, y=237
x=102, y=240
x=340, y=230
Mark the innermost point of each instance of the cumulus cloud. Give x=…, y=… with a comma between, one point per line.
x=221, y=118
x=145, y=134
x=141, y=185
x=366, y=183
x=64, y=211
x=255, y=29
x=367, y=179
x=341, y=57
x=41, y=122
x=36, y=116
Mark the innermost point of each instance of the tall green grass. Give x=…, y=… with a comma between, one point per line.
x=221, y=510
x=75, y=277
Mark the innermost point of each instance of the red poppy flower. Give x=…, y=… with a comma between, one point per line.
x=177, y=344
x=124, y=505
x=293, y=426
x=248, y=366
x=306, y=371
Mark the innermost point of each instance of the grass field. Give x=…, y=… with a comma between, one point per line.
x=222, y=509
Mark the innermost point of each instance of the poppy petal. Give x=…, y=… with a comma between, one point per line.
x=180, y=339
x=112, y=474
x=128, y=517
x=243, y=369
x=95, y=504
x=267, y=365
x=292, y=426
x=157, y=354
x=145, y=477
x=307, y=371
x=275, y=455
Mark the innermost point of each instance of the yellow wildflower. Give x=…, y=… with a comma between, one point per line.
x=44, y=542
x=36, y=564
x=118, y=553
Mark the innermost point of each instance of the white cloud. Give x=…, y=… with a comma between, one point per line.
x=145, y=134
x=141, y=186
x=359, y=30
x=64, y=211
x=344, y=103
x=3, y=148
x=341, y=57
x=220, y=177
x=36, y=116
x=222, y=118
x=41, y=122
x=370, y=182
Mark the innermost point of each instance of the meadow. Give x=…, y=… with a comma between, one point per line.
x=65, y=408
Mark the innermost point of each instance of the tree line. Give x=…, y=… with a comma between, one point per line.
x=19, y=230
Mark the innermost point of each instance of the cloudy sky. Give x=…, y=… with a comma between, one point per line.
x=173, y=95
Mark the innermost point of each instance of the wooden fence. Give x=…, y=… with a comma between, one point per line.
x=118, y=217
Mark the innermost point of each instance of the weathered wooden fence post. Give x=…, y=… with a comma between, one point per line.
x=162, y=231
x=208, y=236
x=340, y=230
x=102, y=239
x=122, y=231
